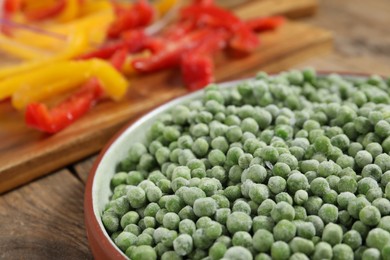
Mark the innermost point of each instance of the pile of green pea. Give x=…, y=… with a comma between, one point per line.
x=294, y=166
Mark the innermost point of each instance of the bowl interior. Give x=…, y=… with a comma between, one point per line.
x=117, y=150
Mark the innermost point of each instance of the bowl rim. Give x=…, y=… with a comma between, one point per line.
x=90, y=219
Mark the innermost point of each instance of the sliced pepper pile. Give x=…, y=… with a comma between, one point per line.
x=83, y=48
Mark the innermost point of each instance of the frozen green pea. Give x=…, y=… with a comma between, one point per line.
x=192, y=194
x=174, y=203
x=384, y=223
x=255, y=173
x=244, y=160
x=136, y=196
x=322, y=144
x=125, y=239
x=371, y=254
x=311, y=175
x=266, y=207
x=170, y=255
x=282, y=210
x=284, y=196
x=374, y=149
x=342, y=252
x=232, y=192
x=217, y=250
x=383, y=205
x=317, y=222
x=299, y=256
x=322, y=251
x=232, y=120
x=242, y=206
x=319, y=186
x=309, y=165
x=383, y=161
x=361, y=228
x=262, y=256
x=373, y=194
x=118, y=179
x=136, y=150
x=300, y=197
x=238, y=253
x=133, y=228
x=238, y=221
x=328, y=213
x=344, y=198
x=249, y=125
x=110, y=221
x=235, y=173
x=187, y=226
x=332, y=234
x=171, y=220
x=344, y=218
x=204, y=207
x=234, y=133
x=357, y=204
x=382, y=128
x=120, y=206
x=280, y=250
x=183, y=244
x=300, y=213
x=377, y=238
x=353, y=239
x=262, y=240
x=213, y=230
x=258, y=192
x=366, y=184
x=242, y=238
x=370, y=215
x=281, y=169
x=284, y=230
x=306, y=230
x=373, y=171
x=313, y=204
x=220, y=143
x=179, y=183
x=362, y=158
x=144, y=239
x=181, y=171
x=200, y=147
x=297, y=181
x=301, y=245
x=134, y=178
x=347, y=184
x=222, y=214
x=354, y=148
x=209, y=186
x=216, y=157
x=263, y=222
x=268, y=153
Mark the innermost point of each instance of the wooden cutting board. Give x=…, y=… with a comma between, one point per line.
x=27, y=154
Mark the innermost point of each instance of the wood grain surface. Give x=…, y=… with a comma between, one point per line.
x=27, y=214
x=44, y=220
x=26, y=154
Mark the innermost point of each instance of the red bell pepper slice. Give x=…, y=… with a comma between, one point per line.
x=178, y=30
x=46, y=12
x=197, y=71
x=138, y=15
x=244, y=39
x=12, y=6
x=133, y=41
x=52, y=121
x=265, y=23
x=118, y=58
x=171, y=55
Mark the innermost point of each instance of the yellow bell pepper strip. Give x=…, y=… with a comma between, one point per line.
x=70, y=12
x=78, y=44
x=54, y=120
x=114, y=84
x=163, y=6
x=26, y=95
x=21, y=50
x=41, y=79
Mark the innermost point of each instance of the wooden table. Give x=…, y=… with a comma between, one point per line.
x=44, y=219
